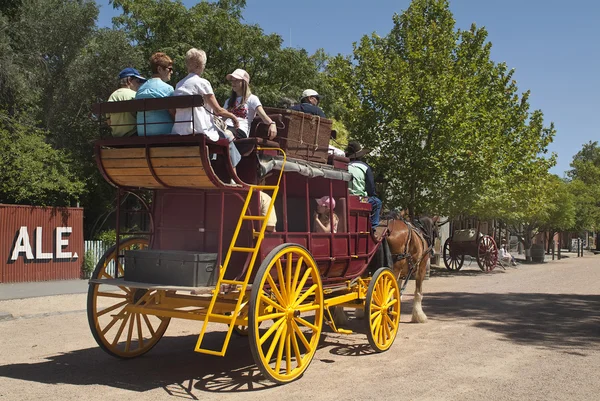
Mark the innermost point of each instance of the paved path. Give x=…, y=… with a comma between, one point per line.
x=42, y=289
x=530, y=333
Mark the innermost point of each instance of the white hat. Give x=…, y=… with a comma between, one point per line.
x=309, y=92
x=239, y=74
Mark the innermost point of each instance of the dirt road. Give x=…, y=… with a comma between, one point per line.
x=530, y=333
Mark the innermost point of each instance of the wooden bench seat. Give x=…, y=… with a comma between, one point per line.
x=156, y=168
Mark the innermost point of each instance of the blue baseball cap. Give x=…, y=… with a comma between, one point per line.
x=131, y=72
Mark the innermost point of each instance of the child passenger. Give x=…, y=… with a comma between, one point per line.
x=324, y=215
x=245, y=106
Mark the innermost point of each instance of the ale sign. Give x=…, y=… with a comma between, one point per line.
x=40, y=243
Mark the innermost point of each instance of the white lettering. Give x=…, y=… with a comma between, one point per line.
x=60, y=243
x=39, y=253
x=22, y=245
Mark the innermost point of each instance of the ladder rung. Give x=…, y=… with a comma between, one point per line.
x=232, y=282
x=259, y=187
x=219, y=318
x=242, y=249
x=254, y=217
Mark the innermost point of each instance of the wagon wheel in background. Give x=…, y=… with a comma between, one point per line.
x=487, y=253
x=118, y=331
x=452, y=259
x=289, y=283
x=382, y=309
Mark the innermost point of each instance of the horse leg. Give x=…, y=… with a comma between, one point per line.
x=340, y=318
x=418, y=316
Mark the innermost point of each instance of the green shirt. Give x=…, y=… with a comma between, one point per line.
x=357, y=185
x=122, y=124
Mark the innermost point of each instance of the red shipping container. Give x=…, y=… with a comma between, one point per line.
x=40, y=243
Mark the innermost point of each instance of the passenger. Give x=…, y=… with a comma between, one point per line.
x=309, y=103
x=265, y=200
x=363, y=182
x=324, y=214
x=157, y=122
x=202, y=117
x=505, y=256
x=245, y=106
x=124, y=124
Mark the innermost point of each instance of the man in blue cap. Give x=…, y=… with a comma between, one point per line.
x=125, y=124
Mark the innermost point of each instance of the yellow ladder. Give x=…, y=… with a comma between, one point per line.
x=230, y=319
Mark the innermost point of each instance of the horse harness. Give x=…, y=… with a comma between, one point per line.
x=395, y=257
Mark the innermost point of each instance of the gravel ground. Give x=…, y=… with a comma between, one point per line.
x=531, y=333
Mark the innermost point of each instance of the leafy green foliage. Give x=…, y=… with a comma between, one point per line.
x=450, y=132
x=585, y=186
x=32, y=171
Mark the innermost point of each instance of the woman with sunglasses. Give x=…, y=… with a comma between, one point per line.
x=156, y=122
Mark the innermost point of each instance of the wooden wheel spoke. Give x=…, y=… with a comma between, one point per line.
x=114, y=320
x=275, y=291
x=281, y=281
x=121, y=328
x=270, y=331
x=308, y=293
x=139, y=331
x=301, y=284
x=275, y=341
x=288, y=274
x=112, y=308
x=301, y=335
x=306, y=323
x=270, y=302
x=130, y=332
x=148, y=324
x=375, y=315
x=281, y=347
x=295, y=346
x=297, y=274
x=377, y=320
x=288, y=351
x=270, y=316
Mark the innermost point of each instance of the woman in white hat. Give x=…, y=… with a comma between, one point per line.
x=245, y=106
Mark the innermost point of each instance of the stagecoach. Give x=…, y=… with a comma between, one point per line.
x=470, y=242
x=204, y=253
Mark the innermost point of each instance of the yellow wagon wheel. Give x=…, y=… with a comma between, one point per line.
x=289, y=282
x=382, y=307
x=118, y=331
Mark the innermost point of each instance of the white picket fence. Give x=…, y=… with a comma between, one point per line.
x=96, y=248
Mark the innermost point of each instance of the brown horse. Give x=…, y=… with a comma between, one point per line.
x=410, y=255
x=410, y=252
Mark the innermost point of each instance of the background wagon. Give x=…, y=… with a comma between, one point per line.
x=473, y=243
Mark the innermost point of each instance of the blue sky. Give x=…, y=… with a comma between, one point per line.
x=553, y=45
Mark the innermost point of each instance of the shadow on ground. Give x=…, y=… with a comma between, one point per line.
x=173, y=366
x=547, y=320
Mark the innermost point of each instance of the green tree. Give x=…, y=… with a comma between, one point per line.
x=585, y=186
x=218, y=28
x=32, y=171
x=547, y=206
x=447, y=123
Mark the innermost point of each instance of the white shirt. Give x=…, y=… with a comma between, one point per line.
x=245, y=113
x=203, y=123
